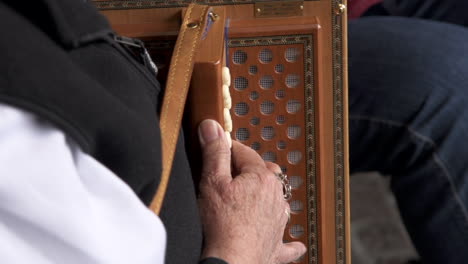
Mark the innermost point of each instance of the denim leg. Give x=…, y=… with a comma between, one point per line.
x=452, y=11
x=409, y=119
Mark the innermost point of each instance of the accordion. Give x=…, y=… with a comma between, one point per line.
x=284, y=95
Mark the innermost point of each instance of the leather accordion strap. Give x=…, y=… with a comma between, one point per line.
x=178, y=81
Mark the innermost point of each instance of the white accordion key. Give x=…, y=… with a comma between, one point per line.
x=227, y=101
x=226, y=76
x=227, y=120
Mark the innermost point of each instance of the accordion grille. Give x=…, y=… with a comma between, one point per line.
x=270, y=114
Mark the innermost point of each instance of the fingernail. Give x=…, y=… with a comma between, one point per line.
x=209, y=130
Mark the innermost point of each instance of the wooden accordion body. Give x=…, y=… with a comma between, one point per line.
x=289, y=96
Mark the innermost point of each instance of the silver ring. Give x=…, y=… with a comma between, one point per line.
x=287, y=190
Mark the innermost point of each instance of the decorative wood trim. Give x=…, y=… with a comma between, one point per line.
x=339, y=103
x=141, y=4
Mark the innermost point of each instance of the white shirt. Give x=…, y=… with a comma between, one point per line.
x=60, y=205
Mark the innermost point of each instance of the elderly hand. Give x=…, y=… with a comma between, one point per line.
x=241, y=203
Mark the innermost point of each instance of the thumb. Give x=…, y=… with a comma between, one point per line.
x=216, y=152
x=291, y=251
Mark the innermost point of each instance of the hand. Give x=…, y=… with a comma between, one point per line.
x=242, y=208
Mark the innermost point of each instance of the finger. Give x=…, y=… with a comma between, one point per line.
x=245, y=159
x=215, y=151
x=287, y=214
x=290, y=252
x=275, y=168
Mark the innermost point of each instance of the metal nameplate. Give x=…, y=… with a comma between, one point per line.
x=279, y=9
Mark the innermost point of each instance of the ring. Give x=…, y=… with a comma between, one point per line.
x=287, y=190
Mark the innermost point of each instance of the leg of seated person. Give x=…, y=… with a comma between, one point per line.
x=409, y=119
x=452, y=11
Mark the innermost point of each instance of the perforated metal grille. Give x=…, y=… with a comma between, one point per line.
x=296, y=231
x=296, y=206
x=241, y=83
x=295, y=181
x=294, y=132
x=269, y=156
x=266, y=82
x=292, y=54
x=253, y=69
x=280, y=120
x=267, y=107
x=268, y=133
x=255, y=146
x=242, y=134
x=239, y=57
x=280, y=94
x=265, y=56
x=293, y=106
x=274, y=121
x=254, y=121
x=292, y=80
x=279, y=68
x=281, y=145
x=254, y=96
x=241, y=109
x=294, y=157
x=284, y=169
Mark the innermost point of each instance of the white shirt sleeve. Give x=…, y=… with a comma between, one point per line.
x=60, y=205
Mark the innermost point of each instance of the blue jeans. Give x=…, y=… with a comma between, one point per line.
x=409, y=119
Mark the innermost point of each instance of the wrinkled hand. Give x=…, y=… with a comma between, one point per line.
x=242, y=207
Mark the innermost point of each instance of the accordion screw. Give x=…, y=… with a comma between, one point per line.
x=213, y=16
x=340, y=9
x=193, y=25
